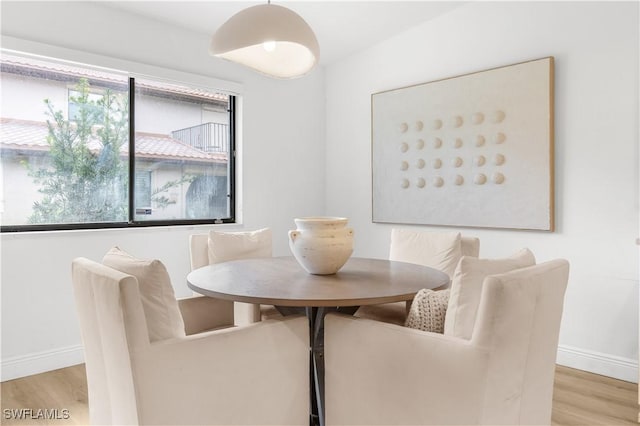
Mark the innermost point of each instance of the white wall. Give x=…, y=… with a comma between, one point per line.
x=282, y=137
x=595, y=46
x=286, y=159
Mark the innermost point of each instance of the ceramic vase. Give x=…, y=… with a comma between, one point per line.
x=322, y=245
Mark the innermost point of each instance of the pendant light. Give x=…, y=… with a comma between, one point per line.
x=268, y=38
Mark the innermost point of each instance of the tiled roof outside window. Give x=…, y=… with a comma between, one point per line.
x=32, y=136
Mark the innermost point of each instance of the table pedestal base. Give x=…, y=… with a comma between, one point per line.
x=316, y=353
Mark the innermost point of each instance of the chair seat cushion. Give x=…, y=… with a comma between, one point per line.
x=161, y=309
x=428, y=310
x=226, y=246
x=466, y=288
x=392, y=313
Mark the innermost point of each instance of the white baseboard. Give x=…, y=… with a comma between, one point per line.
x=27, y=365
x=599, y=363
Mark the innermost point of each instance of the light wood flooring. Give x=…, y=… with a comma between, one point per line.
x=580, y=398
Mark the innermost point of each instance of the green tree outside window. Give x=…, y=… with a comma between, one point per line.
x=87, y=180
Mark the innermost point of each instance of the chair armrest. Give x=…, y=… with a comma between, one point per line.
x=201, y=313
x=258, y=374
x=379, y=373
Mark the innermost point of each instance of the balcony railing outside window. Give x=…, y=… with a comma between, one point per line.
x=208, y=137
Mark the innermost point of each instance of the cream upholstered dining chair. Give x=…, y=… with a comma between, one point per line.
x=218, y=246
x=439, y=250
x=503, y=374
x=145, y=367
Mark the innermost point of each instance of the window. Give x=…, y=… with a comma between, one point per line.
x=88, y=148
x=84, y=102
x=143, y=191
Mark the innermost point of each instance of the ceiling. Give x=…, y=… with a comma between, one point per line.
x=342, y=27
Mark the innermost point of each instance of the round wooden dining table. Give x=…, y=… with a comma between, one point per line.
x=282, y=282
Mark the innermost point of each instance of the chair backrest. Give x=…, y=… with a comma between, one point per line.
x=199, y=250
x=112, y=323
x=238, y=245
x=470, y=246
x=519, y=324
x=438, y=250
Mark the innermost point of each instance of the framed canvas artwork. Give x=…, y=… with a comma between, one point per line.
x=473, y=150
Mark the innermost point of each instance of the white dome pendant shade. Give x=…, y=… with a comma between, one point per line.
x=270, y=39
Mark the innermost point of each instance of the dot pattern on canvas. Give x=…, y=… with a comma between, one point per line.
x=454, y=151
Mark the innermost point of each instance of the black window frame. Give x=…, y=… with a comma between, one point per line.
x=132, y=223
